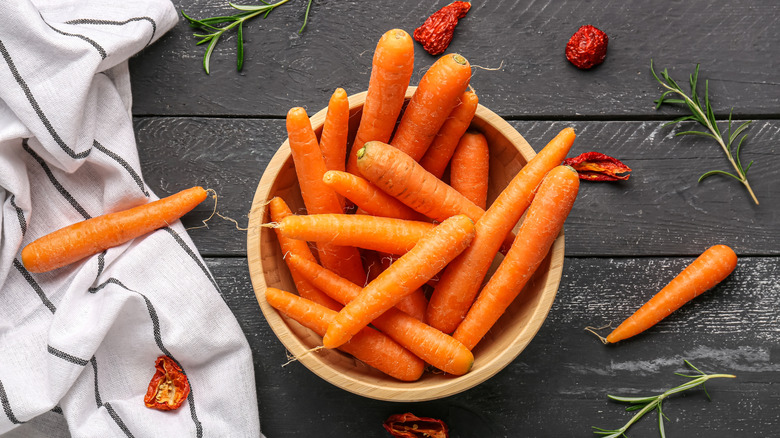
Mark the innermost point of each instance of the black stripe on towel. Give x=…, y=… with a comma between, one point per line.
x=136, y=177
x=7, y=406
x=117, y=23
x=101, y=264
x=92, y=42
x=37, y=288
x=158, y=340
x=65, y=194
x=98, y=399
x=19, y=215
x=111, y=280
x=118, y=420
x=65, y=356
x=57, y=410
x=37, y=108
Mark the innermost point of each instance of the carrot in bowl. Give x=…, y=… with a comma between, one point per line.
x=709, y=269
x=395, y=236
x=460, y=281
x=92, y=236
x=435, y=97
x=370, y=346
x=367, y=196
x=436, y=348
x=470, y=168
x=416, y=303
x=542, y=225
x=398, y=175
x=391, y=70
x=318, y=198
x=335, y=130
x=443, y=146
x=279, y=210
x=411, y=271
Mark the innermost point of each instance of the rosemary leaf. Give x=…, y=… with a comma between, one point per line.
x=704, y=115
x=240, y=49
x=654, y=403
x=212, y=28
x=305, y=17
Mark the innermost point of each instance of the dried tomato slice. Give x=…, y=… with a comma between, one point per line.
x=169, y=386
x=409, y=425
x=595, y=166
x=437, y=31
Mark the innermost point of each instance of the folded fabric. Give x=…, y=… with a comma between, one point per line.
x=78, y=344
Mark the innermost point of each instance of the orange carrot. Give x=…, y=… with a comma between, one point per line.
x=709, y=269
x=318, y=198
x=470, y=167
x=408, y=273
x=460, y=281
x=333, y=141
x=413, y=304
x=92, y=236
x=433, y=346
x=542, y=225
x=436, y=96
x=279, y=210
x=396, y=236
x=368, y=197
x=398, y=175
x=369, y=345
x=391, y=70
x=443, y=146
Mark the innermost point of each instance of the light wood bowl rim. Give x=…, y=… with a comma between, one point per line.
x=411, y=391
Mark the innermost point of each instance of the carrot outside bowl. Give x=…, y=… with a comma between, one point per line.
x=509, y=152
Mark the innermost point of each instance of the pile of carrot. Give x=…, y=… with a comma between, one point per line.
x=401, y=246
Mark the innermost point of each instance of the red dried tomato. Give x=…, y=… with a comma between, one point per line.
x=411, y=426
x=587, y=47
x=595, y=166
x=437, y=31
x=169, y=386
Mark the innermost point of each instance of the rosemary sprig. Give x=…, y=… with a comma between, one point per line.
x=703, y=114
x=248, y=12
x=647, y=404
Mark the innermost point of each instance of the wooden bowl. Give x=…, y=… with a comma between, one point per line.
x=522, y=320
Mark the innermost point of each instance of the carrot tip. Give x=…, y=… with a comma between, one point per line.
x=459, y=59
x=361, y=152
x=399, y=33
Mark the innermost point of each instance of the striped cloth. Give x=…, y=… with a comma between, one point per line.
x=78, y=344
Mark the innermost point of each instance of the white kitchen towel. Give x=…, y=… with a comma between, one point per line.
x=78, y=344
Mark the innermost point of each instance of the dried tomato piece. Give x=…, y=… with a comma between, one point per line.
x=587, y=47
x=169, y=386
x=595, y=166
x=411, y=426
x=436, y=32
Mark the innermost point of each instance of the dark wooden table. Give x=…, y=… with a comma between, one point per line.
x=624, y=241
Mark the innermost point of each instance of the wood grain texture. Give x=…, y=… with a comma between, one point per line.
x=660, y=210
x=282, y=69
x=558, y=385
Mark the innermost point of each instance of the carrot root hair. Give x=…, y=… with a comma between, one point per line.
x=293, y=358
x=595, y=330
x=214, y=212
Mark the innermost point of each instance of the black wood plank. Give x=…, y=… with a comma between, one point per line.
x=660, y=210
x=558, y=385
x=526, y=40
